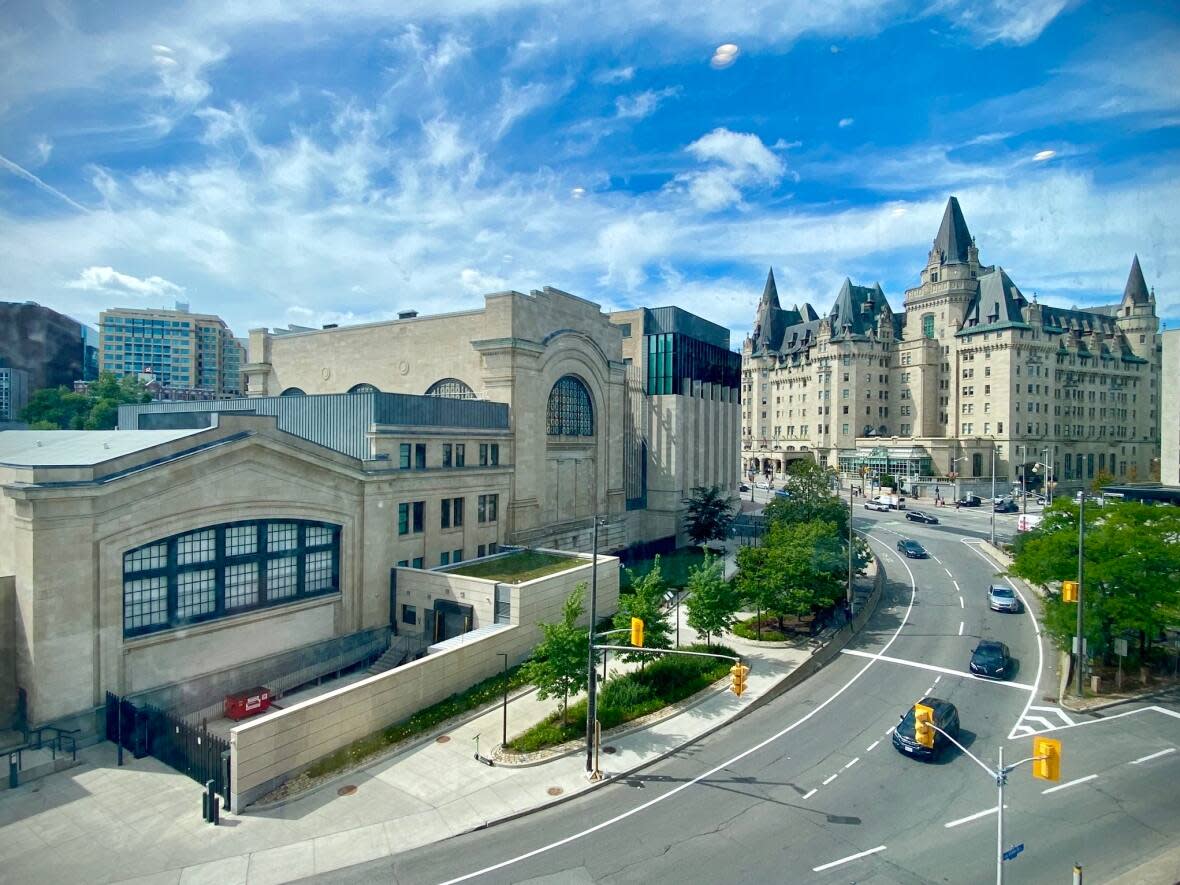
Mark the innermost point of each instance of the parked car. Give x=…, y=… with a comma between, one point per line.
x=877, y=505
x=761, y=484
x=1002, y=599
x=991, y=659
x=970, y=501
x=912, y=549
x=919, y=516
x=1007, y=506
x=946, y=717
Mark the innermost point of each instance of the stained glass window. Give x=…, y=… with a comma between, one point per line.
x=570, y=411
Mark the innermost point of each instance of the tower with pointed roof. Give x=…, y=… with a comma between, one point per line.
x=1136, y=313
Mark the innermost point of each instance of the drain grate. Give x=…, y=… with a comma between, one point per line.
x=346, y=790
x=442, y=739
x=555, y=791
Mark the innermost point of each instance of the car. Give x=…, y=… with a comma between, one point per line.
x=946, y=717
x=912, y=549
x=919, y=516
x=877, y=505
x=970, y=501
x=991, y=659
x=743, y=488
x=1040, y=499
x=761, y=485
x=1003, y=599
x=1006, y=507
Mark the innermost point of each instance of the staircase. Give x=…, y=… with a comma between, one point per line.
x=41, y=752
x=393, y=657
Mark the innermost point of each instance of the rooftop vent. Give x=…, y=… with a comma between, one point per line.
x=406, y=314
x=330, y=325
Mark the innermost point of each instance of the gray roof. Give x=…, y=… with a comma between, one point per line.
x=1136, y=290
x=856, y=311
x=78, y=448
x=996, y=303
x=953, y=238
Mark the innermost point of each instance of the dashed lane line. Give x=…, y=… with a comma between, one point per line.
x=851, y=857
x=1073, y=783
x=810, y=792
x=830, y=779
x=870, y=747
x=948, y=572
x=852, y=763
x=1143, y=759
x=961, y=605
x=960, y=628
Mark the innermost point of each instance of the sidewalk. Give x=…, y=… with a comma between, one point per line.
x=142, y=822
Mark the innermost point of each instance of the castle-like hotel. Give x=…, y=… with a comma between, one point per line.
x=970, y=371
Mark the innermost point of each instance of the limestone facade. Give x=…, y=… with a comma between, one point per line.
x=1170, y=420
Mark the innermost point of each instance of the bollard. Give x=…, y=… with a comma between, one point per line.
x=13, y=777
x=205, y=807
x=216, y=801
x=209, y=796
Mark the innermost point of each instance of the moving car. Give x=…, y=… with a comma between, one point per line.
x=912, y=549
x=1007, y=506
x=1002, y=599
x=970, y=501
x=946, y=717
x=991, y=659
x=877, y=505
x=919, y=516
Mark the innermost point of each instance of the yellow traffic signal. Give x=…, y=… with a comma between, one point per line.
x=637, y=632
x=1046, y=758
x=1069, y=591
x=737, y=675
x=923, y=731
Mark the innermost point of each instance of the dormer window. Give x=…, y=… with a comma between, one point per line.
x=934, y=276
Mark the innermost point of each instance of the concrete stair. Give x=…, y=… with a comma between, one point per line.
x=33, y=763
x=393, y=657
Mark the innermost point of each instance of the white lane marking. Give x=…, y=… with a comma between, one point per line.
x=958, y=589
x=869, y=748
x=1056, y=711
x=749, y=751
x=1036, y=628
x=1073, y=783
x=936, y=679
x=970, y=817
x=1041, y=719
x=1154, y=756
x=852, y=763
x=960, y=628
x=935, y=668
x=1152, y=709
x=834, y=776
x=810, y=793
x=1022, y=731
x=948, y=572
x=851, y=857
x=961, y=602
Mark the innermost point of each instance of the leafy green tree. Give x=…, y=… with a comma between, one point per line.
x=809, y=497
x=1132, y=571
x=1101, y=480
x=712, y=601
x=558, y=665
x=710, y=513
x=646, y=602
x=58, y=408
x=888, y=481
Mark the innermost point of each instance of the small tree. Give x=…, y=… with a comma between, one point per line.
x=558, y=665
x=1102, y=479
x=800, y=568
x=712, y=601
x=646, y=602
x=710, y=514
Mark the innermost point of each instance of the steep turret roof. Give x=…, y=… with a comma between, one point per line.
x=1136, y=290
x=998, y=303
x=953, y=238
x=856, y=309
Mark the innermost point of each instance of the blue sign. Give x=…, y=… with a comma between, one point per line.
x=1011, y=853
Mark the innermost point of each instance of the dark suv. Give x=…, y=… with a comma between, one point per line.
x=946, y=717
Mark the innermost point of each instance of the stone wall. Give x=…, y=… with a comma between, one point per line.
x=7, y=651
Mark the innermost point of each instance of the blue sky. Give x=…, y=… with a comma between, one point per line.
x=309, y=163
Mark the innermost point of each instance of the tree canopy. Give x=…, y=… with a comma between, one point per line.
x=710, y=513
x=59, y=408
x=809, y=497
x=558, y=665
x=646, y=602
x=712, y=601
x=1131, y=582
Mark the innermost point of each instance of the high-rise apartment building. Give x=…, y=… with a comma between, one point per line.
x=971, y=367
x=14, y=393
x=183, y=350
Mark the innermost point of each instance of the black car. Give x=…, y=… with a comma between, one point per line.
x=970, y=501
x=1006, y=506
x=912, y=549
x=991, y=659
x=946, y=717
x=919, y=516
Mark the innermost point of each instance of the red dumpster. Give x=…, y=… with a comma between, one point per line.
x=247, y=703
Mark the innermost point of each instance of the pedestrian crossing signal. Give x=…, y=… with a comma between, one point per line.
x=737, y=675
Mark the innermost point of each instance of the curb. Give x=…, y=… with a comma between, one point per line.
x=1114, y=702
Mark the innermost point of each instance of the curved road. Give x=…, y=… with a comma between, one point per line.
x=809, y=788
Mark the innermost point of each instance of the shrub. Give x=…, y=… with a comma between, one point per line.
x=748, y=629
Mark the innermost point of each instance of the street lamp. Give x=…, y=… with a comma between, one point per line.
x=591, y=670
x=995, y=450
x=954, y=475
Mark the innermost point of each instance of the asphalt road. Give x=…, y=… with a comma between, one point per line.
x=808, y=788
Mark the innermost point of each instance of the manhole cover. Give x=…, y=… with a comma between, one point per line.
x=608, y=750
x=442, y=738
x=555, y=791
x=346, y=790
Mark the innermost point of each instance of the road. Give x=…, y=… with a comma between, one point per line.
x=809, y=788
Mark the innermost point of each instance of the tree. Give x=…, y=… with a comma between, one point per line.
x=1132, y=571
x=1102, y=479
x=809, y=498
x=58, y=408
x=712, y=601
x=888, y=481
x=558, y=665
x=710, y=514
x=646, y=602
x=800, y=568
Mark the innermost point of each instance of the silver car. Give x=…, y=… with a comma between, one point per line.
x=1002, y=599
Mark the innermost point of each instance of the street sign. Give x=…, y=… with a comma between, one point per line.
x=1085, y=646
x=1011, y=853
x=1120, y=647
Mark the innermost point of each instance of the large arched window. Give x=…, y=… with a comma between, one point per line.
x=226, y=569
x=363, y=388
x=451, y=388
x=570, y=411
x=293, y=391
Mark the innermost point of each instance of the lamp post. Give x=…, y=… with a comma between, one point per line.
x=995, y=450
x=1023, y=471
x=1081, y=570
x=504, y=736
x=850, y=547
x=591, y=671
x=954, y=475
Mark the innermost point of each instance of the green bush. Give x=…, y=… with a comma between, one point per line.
x=621, y=693
x=748, y=630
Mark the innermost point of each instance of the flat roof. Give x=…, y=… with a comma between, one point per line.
x=79, y=448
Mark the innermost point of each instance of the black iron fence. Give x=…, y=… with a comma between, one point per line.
x=148, y=731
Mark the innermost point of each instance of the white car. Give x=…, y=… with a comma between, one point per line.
x=877, y=505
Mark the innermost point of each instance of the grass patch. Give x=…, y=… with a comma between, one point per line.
x=629, y=696
x=516, y=568
x=481, y=693
x=748, y=629
x=674, y=565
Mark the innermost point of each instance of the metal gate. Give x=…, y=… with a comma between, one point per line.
x=192, y=750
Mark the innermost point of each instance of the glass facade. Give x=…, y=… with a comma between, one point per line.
x=672, y=356
x=225, y=569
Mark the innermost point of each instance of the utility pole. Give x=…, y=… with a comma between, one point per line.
x=504, y=736
x=850, y=547
x=994, y=447
x=1023, y=485
x=591, y=670
x=1001, y=776
x=1081, y=569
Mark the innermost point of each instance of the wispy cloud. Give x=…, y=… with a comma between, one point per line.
x=109, y=280
x=845, y=122
x=28, y=176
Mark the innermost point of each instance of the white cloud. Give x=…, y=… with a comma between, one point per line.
x=845, y=122
x=109, y=280
x=724, y=55
x=479, y=283
x=1041, y=156
x=738, y=159
x=43, y=148
x=612, y=76
x=642, y=104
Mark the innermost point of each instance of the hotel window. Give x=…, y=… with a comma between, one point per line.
x=488, y=505
x=446, y=455
x=928, y=325
x=404, y=456
x=460, y=455
x=419, y=456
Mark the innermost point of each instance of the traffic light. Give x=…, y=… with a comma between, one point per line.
x=637, y=632
x=923, y=730
x=1046, y=758
x=737, y=675
x=1069, y=591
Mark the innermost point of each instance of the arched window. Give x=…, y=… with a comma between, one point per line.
x=292, y=391
x=570, y=411
x=451, y=388
x=363, y=388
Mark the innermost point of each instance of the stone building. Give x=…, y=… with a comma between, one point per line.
x=1170, y=418
x=971, y=367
